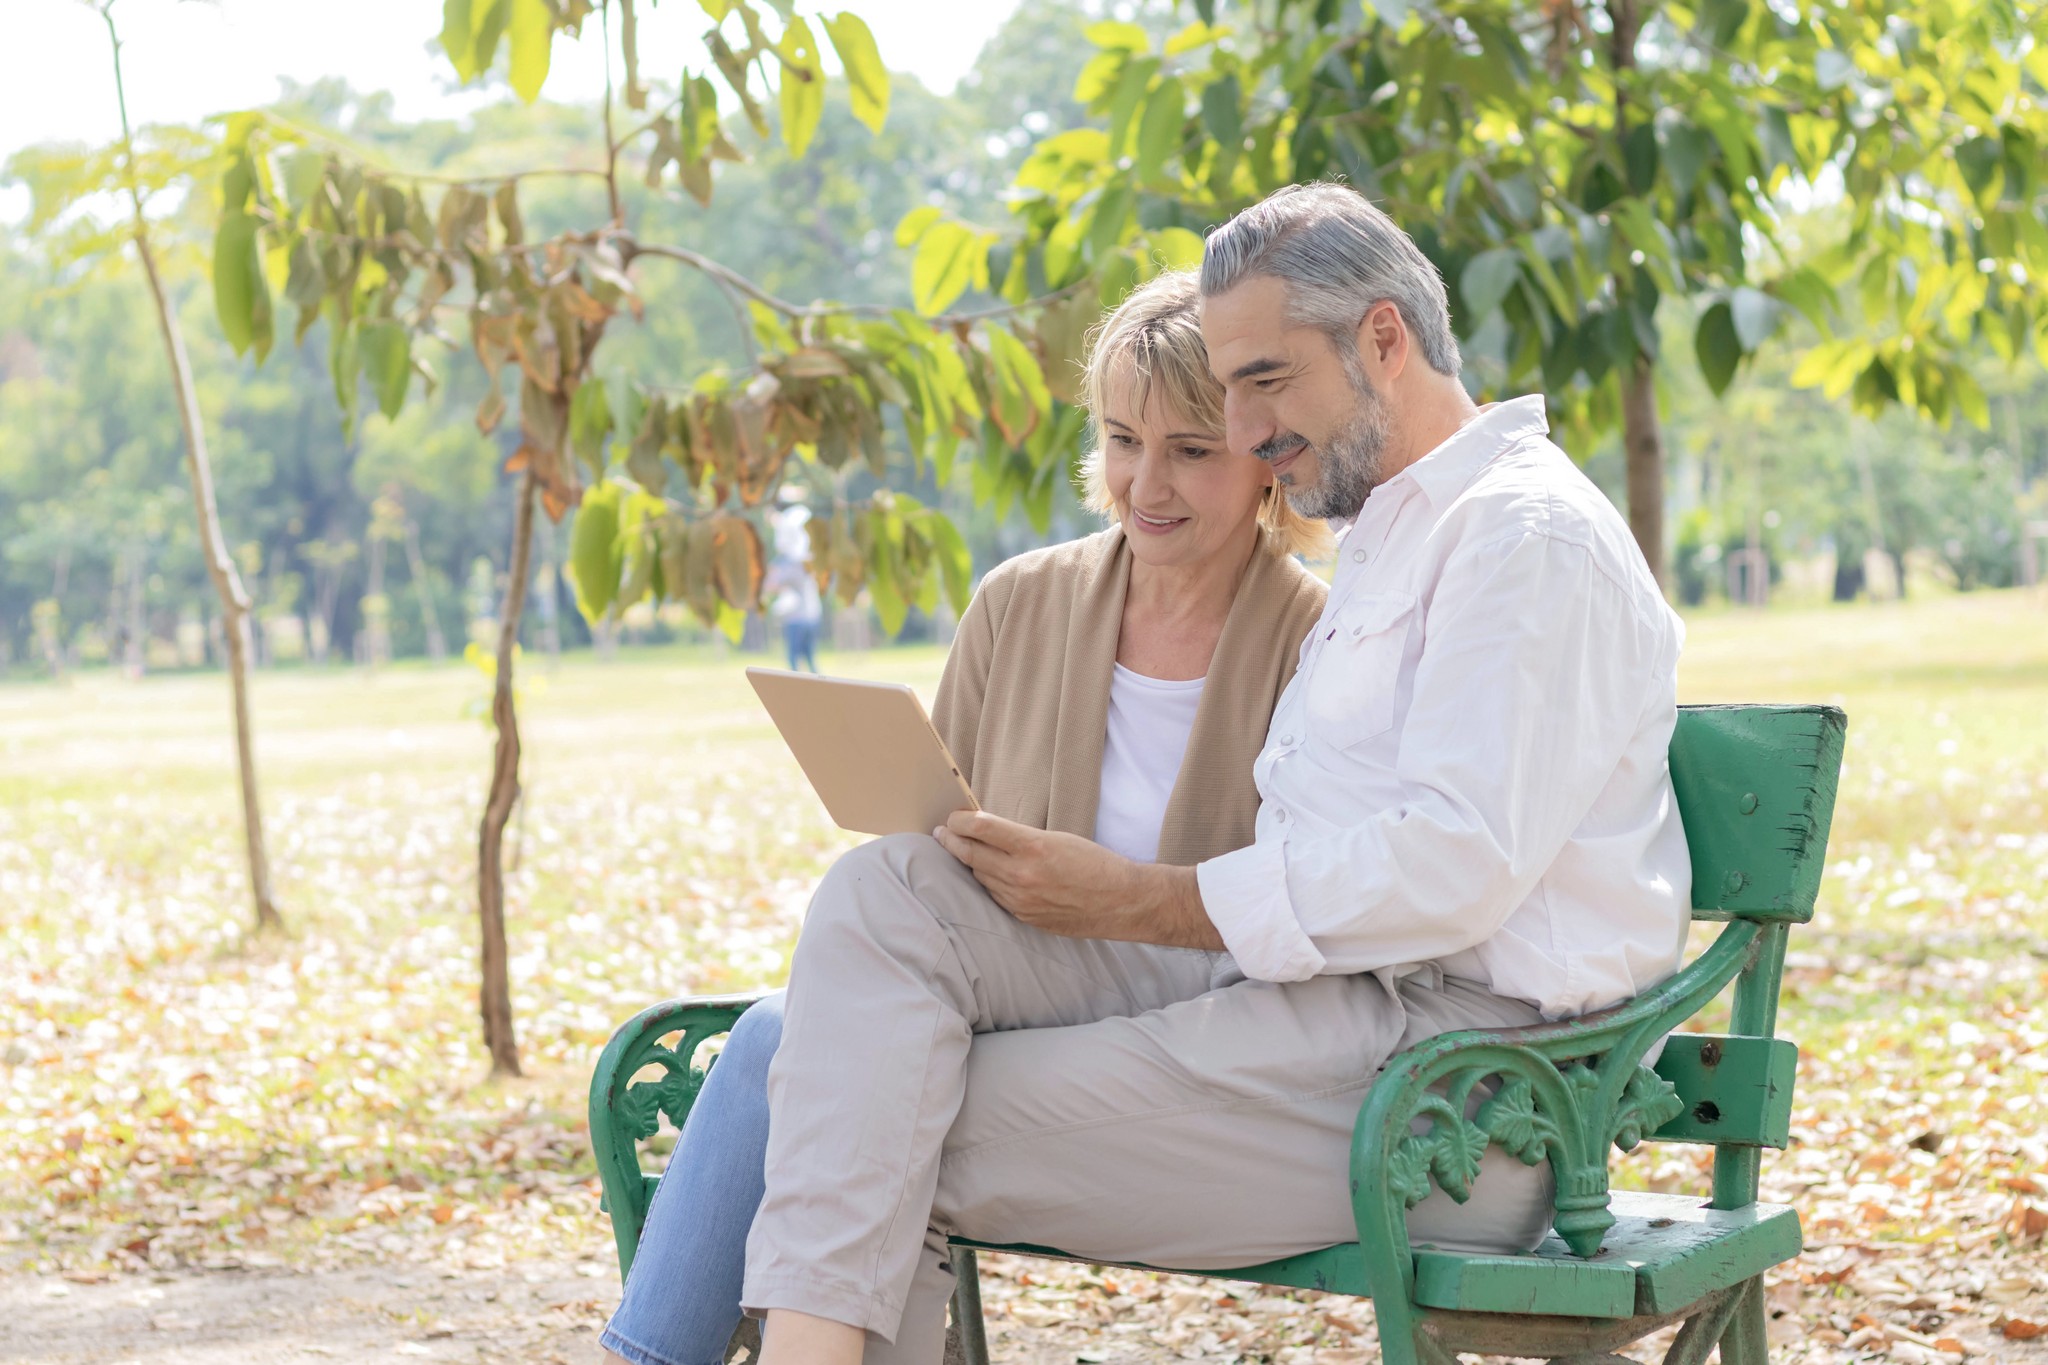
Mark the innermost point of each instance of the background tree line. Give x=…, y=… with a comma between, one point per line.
x=97, y=562
x=93, y=515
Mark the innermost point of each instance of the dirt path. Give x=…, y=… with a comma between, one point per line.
x=535, y=1312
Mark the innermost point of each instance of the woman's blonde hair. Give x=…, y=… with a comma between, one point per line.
x=1154, y=339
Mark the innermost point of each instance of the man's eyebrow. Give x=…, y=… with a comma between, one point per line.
x=1256, y=367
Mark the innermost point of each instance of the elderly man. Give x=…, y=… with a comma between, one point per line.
x=1467, y=822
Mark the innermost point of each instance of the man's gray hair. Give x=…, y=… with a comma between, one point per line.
x=1338, y=256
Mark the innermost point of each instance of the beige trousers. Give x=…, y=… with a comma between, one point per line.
x=946, y=1068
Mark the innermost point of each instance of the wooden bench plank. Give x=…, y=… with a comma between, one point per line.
x=1736, y=1090
x=1663, y=1254
x=1756, y=789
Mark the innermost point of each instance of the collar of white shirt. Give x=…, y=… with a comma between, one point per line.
x=1445, y=472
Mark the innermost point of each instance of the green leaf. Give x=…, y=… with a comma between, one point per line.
x=1639, y=155
x=241, y=296
x=387, y=363
x=303, y=172
x=533, y=40
x=945, y=265
x=1978, y=160
x=914, y=223
x=1019, y=396
x=1833, y=67
x=1176, y=247
x=1685, y=153
x=1111, y=33
x=344, y=366
x=1718, y=346
x=593, y=551
x=1130, y=96
x=1112, y=215
x=956, y=564
x=1223, y=113
x=802, y=91
x=1485, y=281
x=1099, y=76
x=590, y=422
x=1774, y=135
x=1159, y=131
x=866, y=78
x=1756, y=316
x=458, y=40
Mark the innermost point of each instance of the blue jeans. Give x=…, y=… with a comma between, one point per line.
x=800, y=638
x=682, y=1300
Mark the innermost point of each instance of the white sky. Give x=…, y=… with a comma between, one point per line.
x=185, y=59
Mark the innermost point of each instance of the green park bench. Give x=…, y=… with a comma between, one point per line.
x=1756, y=789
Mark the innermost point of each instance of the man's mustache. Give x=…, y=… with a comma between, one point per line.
x=1279, y=446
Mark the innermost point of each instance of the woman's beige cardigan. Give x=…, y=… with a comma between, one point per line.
x=1024, y=703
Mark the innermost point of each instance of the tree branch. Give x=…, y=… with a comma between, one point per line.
x=611, y=144
x=729, y=279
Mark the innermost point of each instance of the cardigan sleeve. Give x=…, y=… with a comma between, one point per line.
x=956, y=712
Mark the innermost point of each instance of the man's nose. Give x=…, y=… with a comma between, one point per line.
x=1246, y=424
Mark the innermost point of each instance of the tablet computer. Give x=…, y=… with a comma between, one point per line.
x=869, y=749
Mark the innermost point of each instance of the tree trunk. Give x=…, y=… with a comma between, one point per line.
x=1642, y=438
x=495, y=995
x=415, y=564
x=137, y=642
x=227, y=582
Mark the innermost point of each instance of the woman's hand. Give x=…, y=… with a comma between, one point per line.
x=1074, y=887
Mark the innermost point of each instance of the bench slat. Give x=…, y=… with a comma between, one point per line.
x=1756, y=788
x=1737, y=1090
x=1666, y=1251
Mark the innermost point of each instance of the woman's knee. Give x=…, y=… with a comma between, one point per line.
x=755, y=1036
x=876, y=880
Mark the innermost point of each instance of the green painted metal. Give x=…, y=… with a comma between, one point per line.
x=1734, y=1089
x=1547, y=1285
x=1755, y=787
x=1338, y=1269
x=624, y=1113
x=1698, y=1249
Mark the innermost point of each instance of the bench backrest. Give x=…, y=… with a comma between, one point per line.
x=1756, y=789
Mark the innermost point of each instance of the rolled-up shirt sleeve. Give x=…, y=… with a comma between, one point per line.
x=1245, y=894
x=1530, y=682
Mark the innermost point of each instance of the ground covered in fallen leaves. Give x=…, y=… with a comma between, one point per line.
x=215, y=1147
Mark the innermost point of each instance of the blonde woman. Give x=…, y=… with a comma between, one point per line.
x=1116, y=687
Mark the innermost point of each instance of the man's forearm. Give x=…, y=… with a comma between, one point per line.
x=1165, y=908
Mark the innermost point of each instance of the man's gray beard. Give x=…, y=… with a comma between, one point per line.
x=1350, y=462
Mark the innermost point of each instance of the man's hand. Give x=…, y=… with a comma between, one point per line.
x=1071, y=886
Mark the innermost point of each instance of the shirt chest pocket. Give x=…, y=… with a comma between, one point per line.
x=1355, y=679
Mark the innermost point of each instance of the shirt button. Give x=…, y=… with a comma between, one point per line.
x=1287, y=739
x=1280, y=815
x=1358, y=555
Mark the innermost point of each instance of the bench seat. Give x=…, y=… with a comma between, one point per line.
x=1664, y=1253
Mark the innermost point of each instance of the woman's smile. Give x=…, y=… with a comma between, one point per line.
x=1158, y=526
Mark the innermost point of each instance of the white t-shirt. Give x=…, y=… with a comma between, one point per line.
x=1149, y=723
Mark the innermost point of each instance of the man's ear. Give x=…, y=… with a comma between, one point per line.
x=1383, y=342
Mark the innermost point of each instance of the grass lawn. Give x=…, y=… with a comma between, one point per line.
x=178, y=1095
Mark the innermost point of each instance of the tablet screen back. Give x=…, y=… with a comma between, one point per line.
x=868, y=748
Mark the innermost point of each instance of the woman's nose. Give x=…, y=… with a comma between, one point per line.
x=1152, y=480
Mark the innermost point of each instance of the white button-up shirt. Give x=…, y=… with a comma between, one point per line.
x=1468, y=773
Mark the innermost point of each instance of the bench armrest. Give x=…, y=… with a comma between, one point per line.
x=1566, y=1091
x=624, y=1113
